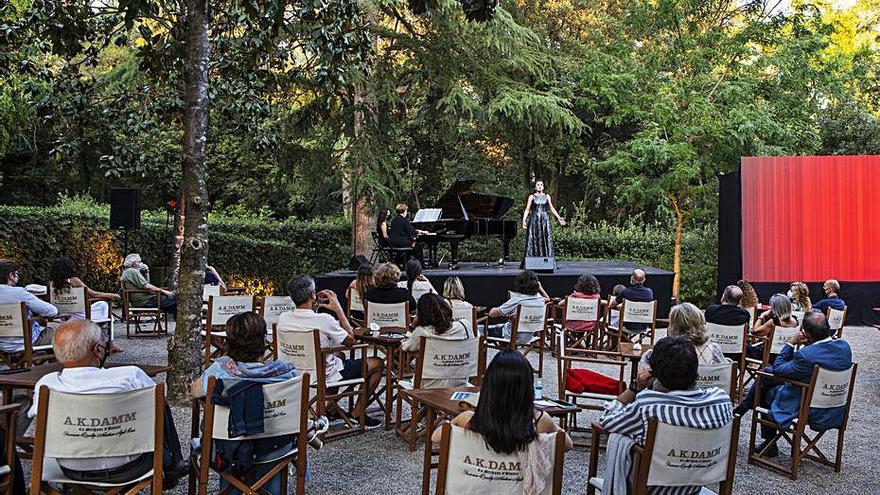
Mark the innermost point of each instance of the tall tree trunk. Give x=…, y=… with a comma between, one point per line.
x=360, y=218
x=680, y=217
x=184, y=346
x=179, y=217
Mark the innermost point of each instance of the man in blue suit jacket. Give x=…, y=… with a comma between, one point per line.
x=783, y=399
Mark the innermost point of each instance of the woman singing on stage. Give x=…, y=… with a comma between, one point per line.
x=536, y=221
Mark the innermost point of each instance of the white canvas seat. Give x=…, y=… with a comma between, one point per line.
x=836, y=320
x=497, y=474
x=440, y=363
x=659, y=463
x=120, y=424
x=285, y=412
x=826, y=390
x=781, y=335
x=303, y=350
x=220, y=310
x=579, y=309
x=722, y=375
x=467, y=314
x=528, y=320
x=14, y=323
x=635, y=312
x=395, y=315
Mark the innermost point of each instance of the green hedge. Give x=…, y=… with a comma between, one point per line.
x=262, y=254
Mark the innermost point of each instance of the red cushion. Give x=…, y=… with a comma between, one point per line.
x=581, y=380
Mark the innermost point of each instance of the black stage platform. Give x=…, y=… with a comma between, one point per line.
x=488, y=285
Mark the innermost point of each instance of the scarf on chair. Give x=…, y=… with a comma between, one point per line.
x=537, y=463
x=268, y=369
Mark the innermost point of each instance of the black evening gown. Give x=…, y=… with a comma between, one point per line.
x=539, y=235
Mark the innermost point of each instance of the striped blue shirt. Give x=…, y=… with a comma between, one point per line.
x=704, y=409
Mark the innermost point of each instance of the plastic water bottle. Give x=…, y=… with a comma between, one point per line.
x=539, y=389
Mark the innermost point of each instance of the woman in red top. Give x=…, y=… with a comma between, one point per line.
x=587, y=287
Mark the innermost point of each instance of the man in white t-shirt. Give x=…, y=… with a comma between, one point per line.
x=79, y=346
x=10, y=293
x=334, y=332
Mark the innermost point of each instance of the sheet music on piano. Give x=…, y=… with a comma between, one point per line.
x=428, y=215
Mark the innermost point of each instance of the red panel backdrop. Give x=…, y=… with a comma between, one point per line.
x=810, y=218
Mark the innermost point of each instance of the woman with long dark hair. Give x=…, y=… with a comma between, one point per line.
x=416, y=282
x=64, y=275
x=363, y=281
x=435, y=322
x=505, y=415
x=382, y=226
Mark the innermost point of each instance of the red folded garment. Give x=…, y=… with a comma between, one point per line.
x=581, y=380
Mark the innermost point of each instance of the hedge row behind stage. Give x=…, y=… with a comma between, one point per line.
x=262, y=254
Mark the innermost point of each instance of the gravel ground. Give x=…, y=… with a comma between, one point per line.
x=380, y=463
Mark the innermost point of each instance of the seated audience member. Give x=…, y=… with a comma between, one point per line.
x=728, y=312
x=64, y=275
x=453, y=291
x=10, y=276
x=749, y=300
x=527, y=292
x=80, y=348
x=132, y=278
x=363, y=281
x=783, y=400
x=832, y=297
x=401, y=233
x=779, y=315
x=435, y=322
x=799, y=294
x=416, y=280
x=636, y=292
x=675, y=401
x=245, y=348
x=615, y=315
x=505, y=415
x=334, y=332
x=386, y=290
x=382, y=227
x=212, y=277
x=587, y=287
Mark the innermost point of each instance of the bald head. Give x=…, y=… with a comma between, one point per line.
x=732, y=295
x=74, y=343
x=638, y=276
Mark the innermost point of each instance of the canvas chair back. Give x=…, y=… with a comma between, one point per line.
x=449, y=359
x=387, y=315
x=836, y=318
x=751, y=312
x=209, y=290
x=473, y=467
x=730, y=338
x=299, y=348
x=69, y=299
x=781, y=335
x=222, y=308
x=420, y=288
x=80, y=426
x=531, y=319
x=705, y=459
x=638, y=312
x=798, y=315
x=581, y=309
x=13, y=319
x=282, y=411
x=273, y=306
x=717, y=375
x=355, y=301
x=464, y=311
x=832, y=388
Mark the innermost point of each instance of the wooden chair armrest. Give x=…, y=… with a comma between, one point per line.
x=594, y=361
x=9, y=408
x=764, y=374
x=343, y=348
x=598, y=428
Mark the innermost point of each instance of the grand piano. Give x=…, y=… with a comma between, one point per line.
x=466, y=214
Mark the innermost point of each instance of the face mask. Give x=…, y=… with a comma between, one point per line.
x=790, y=294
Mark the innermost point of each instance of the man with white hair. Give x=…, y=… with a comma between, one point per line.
x=81, y=349
x=832, y=299
x=636, y=292
x=133, y=278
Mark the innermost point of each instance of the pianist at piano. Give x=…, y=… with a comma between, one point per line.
x=402, y=234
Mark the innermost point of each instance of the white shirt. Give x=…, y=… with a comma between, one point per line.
x=91, y=380
x=35, y=305
x=332, y=335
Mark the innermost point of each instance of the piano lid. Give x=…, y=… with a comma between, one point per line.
x=460, y=203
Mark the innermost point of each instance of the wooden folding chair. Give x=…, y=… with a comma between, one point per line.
x=84, y=426
x=286, y=412
x=826, y=390
x=395, y=315
x=220, y=309
x=581, y=310
x=136, y=315
x=271, y=308
x=467, y=313
x=567, y=359
x=527, y=319
x=836, y=320
x=731, y=339
x=722, y=375
x=464, y=453
x=752, y=366
x=7, y=468
x=634, y=312
x=355, y=304
x=439, y=359
x=75, y=300
x=303, y=349
x=14, y=322
x=659, y=463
